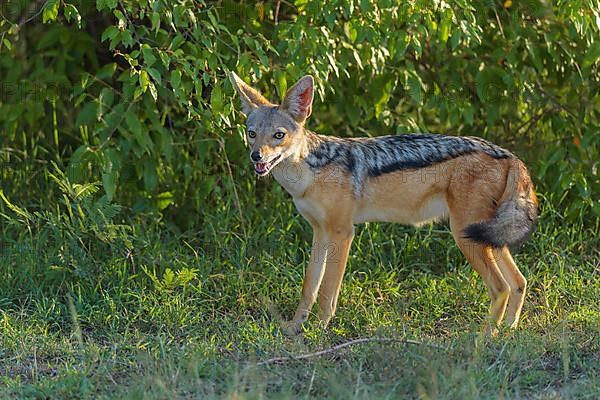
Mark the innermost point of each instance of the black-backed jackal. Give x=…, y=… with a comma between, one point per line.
x=484, y=190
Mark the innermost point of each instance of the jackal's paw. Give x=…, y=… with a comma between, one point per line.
x=324, y=319
x=489, y=330
x=291, y=328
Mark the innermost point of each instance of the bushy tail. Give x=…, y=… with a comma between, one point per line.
x=516, y=216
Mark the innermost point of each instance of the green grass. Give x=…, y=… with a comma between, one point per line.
x=92, y=310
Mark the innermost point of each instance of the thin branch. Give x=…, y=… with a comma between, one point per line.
x=226, y=44
x=277, y=12
x=2, y=39
x=533, y=120
x=236, y=198
x=129, y=22
x=498, y=358
x=342, y=346
x=499, y=23
x=289, y=4
x=24, y=19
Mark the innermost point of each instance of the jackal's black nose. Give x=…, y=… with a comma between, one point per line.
x=256, y=156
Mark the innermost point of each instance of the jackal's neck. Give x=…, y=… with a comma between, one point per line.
x=312, y=141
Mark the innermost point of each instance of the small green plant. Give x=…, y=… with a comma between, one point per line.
x=80, y=226
x=170, y=280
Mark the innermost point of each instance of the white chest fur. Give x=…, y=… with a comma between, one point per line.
x=295, y=177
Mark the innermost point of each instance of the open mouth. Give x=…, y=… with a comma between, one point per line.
x=263, y=169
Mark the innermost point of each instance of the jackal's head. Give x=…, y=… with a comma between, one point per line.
x=275, y=132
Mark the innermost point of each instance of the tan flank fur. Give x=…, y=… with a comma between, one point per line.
x=484, y=191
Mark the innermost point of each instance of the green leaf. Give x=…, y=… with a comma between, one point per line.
x=559, y=154
x=262, y=56
x=164, y=58
x=106, y=71
x=179, y=12
x=382, y=90
x=110, y=175
x=444, y=27
x=216, y=99
x=468, y=113
x=79, y=163
x=366, y=6
x=592, y=55
x=155, y=18
x=401, y=44
x=175, y=79
x=105, y=100
x=109, y=183
x=138, y=91
x=17, y=210
x=490, y=83
x=88, y=114
x=455, y=39
x=155, y=75
x=493, y=114
x=153, y=91
x=144, y=80
x=416, y=45
x=481, y=85
x=414, y=85
x=149, y=57
x=111, y=3
x=534, y=54
x=139, y=133
x=350, y=32
x=164, y=200
x=109, y=33
x=122, y=21
x=177, y=41
x=150, y=175
x=281, y=83
x=50, y=10
x=71, y=13
x=133, y=123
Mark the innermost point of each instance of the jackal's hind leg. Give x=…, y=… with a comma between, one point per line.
x=482, y=260
x=517, y=283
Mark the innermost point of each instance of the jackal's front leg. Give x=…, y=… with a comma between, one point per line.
x=312, y=281
x=337, y=257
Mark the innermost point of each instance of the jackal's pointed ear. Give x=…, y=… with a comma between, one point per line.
x=250, y=97
x=298, y=100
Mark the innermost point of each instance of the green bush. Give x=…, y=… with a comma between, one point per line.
x=133, y=94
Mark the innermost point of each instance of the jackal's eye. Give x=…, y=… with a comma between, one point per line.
x=251, y=134
x=279, y=135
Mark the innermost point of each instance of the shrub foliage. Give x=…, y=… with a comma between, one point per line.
x=133, y=94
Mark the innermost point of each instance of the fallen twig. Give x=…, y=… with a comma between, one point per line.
x=342, y=346
x=497, y=358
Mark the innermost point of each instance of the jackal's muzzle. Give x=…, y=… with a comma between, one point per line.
x=263, y=168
